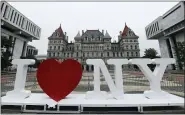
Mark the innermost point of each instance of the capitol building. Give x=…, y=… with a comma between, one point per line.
x=93, y=44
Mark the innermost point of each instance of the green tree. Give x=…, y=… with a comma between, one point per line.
x=6, y=44
x=151, y=53
x=180, y=53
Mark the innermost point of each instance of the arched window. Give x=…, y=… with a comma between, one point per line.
x=127, y=53
x=108, y=54
x=132, y=54
x=131, y=47
x=126, y=47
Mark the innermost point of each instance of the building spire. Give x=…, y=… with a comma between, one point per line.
x=107, y=35
x=78, y=35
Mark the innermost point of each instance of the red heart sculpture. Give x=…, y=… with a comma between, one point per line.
x=58, y=79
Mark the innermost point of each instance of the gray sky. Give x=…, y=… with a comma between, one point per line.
x=78, y=16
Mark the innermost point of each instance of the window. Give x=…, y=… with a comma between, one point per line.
x=22, y=22
x=126, y=47
x=54, y=47
x=53, y=54
x=49, y=54
x=5, y=11
x=64, y=54
x=101, y=54
x=135, y=47
x=11, y=15
x=58, y=47
x=131, y=47
x=14, y=17
x=76, y=54
x=130, y=40
x=117, y=54
x=50, y=47
x=17, y=19
x=113, y=54
x=121, y=54
x=127, y=53
x=26, y=25
x=132, y=54
x=58, y=54
x=2, y=6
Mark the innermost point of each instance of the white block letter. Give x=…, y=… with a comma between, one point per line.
x=153, y=77
x=116, y=90
x=20, y=80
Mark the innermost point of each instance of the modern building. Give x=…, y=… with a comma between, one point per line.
x=41, y=57
x=31, y=50
x=93, y=44
x=18, y=28
x=169, y=29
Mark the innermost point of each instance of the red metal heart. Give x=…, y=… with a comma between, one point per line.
x=57, y=79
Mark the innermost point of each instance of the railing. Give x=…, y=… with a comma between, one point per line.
x=134, y=82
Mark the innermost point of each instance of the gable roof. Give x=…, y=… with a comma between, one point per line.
x=58, y=33
x=127, y=32
x=90, y=33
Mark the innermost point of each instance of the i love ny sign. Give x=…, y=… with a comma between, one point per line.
x=58, y=79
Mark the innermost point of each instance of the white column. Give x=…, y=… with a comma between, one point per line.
x=25, y=49
x=84, y=67
x=173, y=52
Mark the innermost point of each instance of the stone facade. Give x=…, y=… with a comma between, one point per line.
x=93, y=44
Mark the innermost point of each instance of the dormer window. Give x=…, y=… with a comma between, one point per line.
x=58, y=34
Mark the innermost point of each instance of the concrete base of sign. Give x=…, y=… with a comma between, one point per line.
x=96, y=95
x=18, y=94
x=76, y=103
x=156, y=95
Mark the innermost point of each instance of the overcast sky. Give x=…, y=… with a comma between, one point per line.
x=78, y=16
